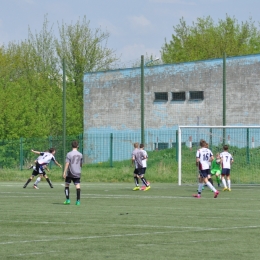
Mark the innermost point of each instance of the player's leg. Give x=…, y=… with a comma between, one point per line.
x=136, y=180
x=141, y=176
x=218, y=174
x=223, y=176
x=228, y=182
x=200, y=186
x=48, y=180
x=67, y=190
x=77, y=185
x=34, y=173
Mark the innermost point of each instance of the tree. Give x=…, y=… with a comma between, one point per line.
x=205, y=40
x=84, y=50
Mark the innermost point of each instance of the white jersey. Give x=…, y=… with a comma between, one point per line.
x=45, y=158
x=204, y=154
x=144, y=161
x=226, y=160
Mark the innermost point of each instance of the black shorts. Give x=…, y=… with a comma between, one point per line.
x=75, y=180
x=140, y=171
x=35, y=173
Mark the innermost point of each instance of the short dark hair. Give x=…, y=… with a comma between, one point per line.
x=225, y=147
x=141, y=145
x=51, y=150
x=75, y=144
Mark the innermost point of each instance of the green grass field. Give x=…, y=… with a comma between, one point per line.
x=114, y=222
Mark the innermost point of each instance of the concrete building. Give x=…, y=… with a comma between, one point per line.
x=174, y=94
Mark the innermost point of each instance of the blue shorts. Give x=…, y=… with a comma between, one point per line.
x=204, y=173
x=75, y=180
x=225, y=171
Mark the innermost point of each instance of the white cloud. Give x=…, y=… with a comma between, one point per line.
x=138, y=21
x=110, y=27
x=131, y=54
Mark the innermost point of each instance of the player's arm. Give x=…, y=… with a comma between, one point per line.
x=65, y=170
x=132, y=160
x=37, y=152
x=57, y=163
x=197, y=161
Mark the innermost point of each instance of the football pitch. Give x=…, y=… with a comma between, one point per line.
x=114, y=222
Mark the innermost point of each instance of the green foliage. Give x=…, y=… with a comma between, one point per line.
x=205, y=39
x=31, y=79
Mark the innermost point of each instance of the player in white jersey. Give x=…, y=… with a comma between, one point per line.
x=226, y=161
x=203, y=157
x=144, y=161
x=42, y=161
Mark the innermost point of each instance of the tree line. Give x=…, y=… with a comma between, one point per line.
x=31, y=70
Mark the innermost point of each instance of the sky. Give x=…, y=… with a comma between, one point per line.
x=135, y=27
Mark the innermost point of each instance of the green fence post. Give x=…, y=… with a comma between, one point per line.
x=224, y=97
x=210, y=138
x=111, y=150
x=21, y=153
x=177, y=146
x=247, y=146
x=50, y=146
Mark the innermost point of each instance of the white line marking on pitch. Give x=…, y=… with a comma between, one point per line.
x=124, y=235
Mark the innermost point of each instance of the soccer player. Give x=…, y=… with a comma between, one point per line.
x=144, y=161
x=41, y=162
x=72, y=172
x=42, y=172
x=226, y=161
x=216, y=168
x=137, y=157
x=203, y=157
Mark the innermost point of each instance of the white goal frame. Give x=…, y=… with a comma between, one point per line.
x=180, y=141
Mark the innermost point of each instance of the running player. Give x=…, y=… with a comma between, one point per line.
x=203, y=157
x=226, y=161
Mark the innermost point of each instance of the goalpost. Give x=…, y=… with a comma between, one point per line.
x=243, y=142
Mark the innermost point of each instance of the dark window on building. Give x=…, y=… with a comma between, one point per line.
x=161, y=96
x=196, y=95
x=178, y=96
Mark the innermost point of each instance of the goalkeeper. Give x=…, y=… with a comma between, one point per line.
x=216, y=168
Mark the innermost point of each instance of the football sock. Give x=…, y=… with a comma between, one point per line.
x=218, y=179
x=136, y=181
x=48, y=180
x=144, y=181
x=211, y=181
x=200, y=188
x=67, y=193
x=37, y=181
x=28, y=181
x=78, y=194
x=229, y=184
x=211, y=186
x=224, y=182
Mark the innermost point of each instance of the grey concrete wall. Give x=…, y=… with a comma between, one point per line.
x=112, y=98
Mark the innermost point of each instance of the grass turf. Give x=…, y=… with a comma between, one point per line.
x=114, y=222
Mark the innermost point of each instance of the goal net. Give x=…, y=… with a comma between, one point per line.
x=243, y=142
